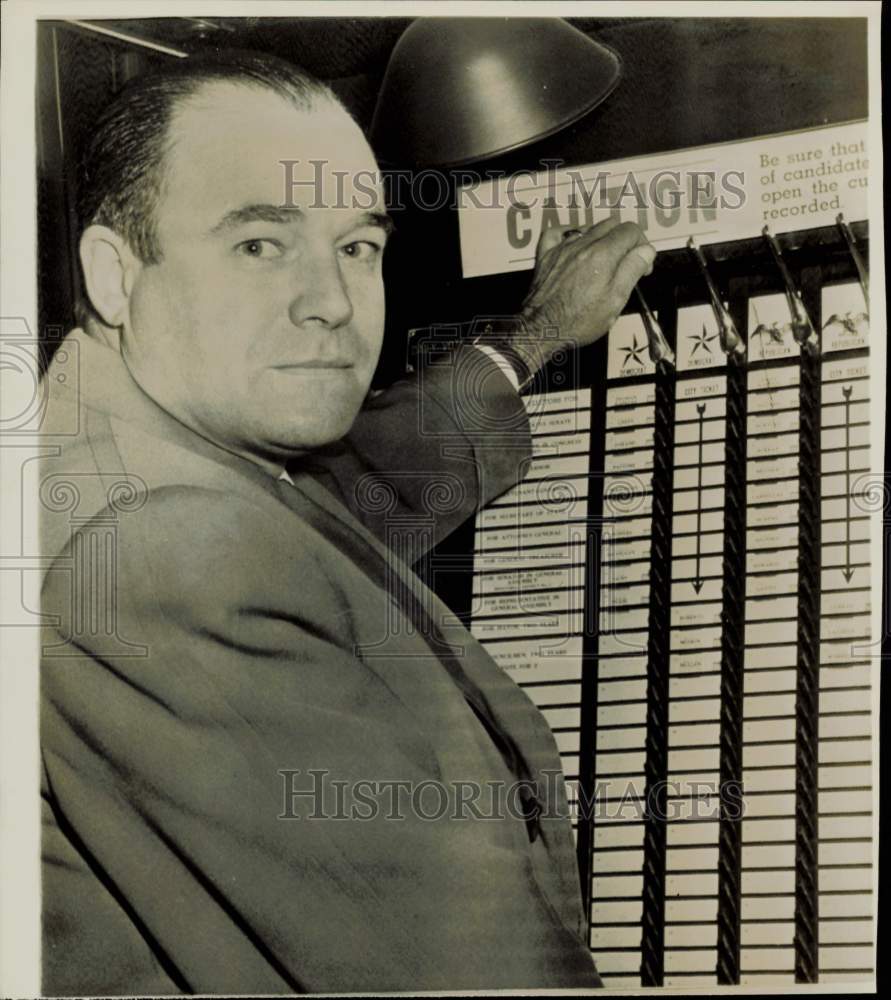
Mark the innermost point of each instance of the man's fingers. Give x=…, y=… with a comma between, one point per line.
x=647, y=254
x=636, y=263
x=602, y=228
x=619, y=241
x=618, y=251
x=551, y=237
x=555, y=236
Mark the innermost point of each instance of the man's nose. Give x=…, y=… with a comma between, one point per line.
x=322, y=296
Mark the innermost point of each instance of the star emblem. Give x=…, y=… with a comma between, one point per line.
x=702, y=340
x=633, y=353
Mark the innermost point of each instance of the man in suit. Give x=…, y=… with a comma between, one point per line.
x=260, y=733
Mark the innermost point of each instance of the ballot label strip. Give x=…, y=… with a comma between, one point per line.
x=844, y=846
x=701, y=490
x=775, y=421
x=619, y=844
x=529, y=579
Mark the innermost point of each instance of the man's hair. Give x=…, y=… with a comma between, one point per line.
x=122, y=167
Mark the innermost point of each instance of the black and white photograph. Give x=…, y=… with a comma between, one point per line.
x=443, y=501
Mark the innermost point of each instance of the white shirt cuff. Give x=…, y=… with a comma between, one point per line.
x=502, y=363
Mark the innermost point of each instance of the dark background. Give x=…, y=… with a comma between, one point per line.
x=686, y=82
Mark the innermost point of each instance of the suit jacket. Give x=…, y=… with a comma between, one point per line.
x=228, y=654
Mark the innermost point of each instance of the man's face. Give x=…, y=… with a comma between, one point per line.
x=261, y=326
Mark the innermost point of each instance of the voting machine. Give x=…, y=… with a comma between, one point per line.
x=682, y=580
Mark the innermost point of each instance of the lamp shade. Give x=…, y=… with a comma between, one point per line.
x=457, y=90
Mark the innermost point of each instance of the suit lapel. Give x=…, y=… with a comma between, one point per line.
x=514, y=724
x=504, y=707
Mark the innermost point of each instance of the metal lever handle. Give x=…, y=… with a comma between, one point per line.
x=728, y=336
x=803, y=329
x=860, y=263
x=658, y=345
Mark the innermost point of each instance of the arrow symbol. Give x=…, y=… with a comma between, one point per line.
x=698, y=581
x=848, y=571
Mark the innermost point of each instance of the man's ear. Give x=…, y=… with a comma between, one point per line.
x=110, y=269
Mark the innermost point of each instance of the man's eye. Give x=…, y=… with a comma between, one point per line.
x=259, y=249
x=361, y=250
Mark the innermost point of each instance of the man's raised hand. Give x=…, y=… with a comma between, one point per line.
x=582, y=280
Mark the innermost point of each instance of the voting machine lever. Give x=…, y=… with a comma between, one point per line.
x=728, y=336
x=802, y=328
x=658, y=345
x=859, y=262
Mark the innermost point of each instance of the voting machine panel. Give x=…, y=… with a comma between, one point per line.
x=682, y=584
